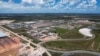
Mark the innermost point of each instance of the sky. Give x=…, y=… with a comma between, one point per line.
x=49, y=6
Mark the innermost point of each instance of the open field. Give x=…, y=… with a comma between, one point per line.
x=79, y=54
x=92, y=45
x=69, y=45
x=68, y=34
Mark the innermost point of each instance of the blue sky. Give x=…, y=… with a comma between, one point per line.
x=49, y=6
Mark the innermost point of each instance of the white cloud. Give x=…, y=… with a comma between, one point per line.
x=87, y=4
x=33, y=1
x=27, y=1
x=11, y=5
x=66, y=4
x=51, y=4
x=73, y=2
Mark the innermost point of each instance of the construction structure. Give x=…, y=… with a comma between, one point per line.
x=9, y=46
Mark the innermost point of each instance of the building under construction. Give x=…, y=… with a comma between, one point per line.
x=9, y=46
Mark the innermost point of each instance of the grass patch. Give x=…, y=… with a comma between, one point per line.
x=91, y=45
x=72, y=34
x=68, y=45
x=81, y=54
x=30, y=37
x=68, y=34
x=60, y=31
x=55, y=54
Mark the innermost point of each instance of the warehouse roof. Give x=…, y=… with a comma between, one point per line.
x=2, y=34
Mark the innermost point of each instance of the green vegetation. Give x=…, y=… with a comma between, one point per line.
x=22, y=31
x=92, y=45
x=69, y=45
x=19, y=30
x=60, y=31
x=55, y=54
x=72, y=34
x=32, y=17
x=30, y=37
x=68, y=34
x=97, y=39
x=45, y=54
x=7, y=27
x=81, y=54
